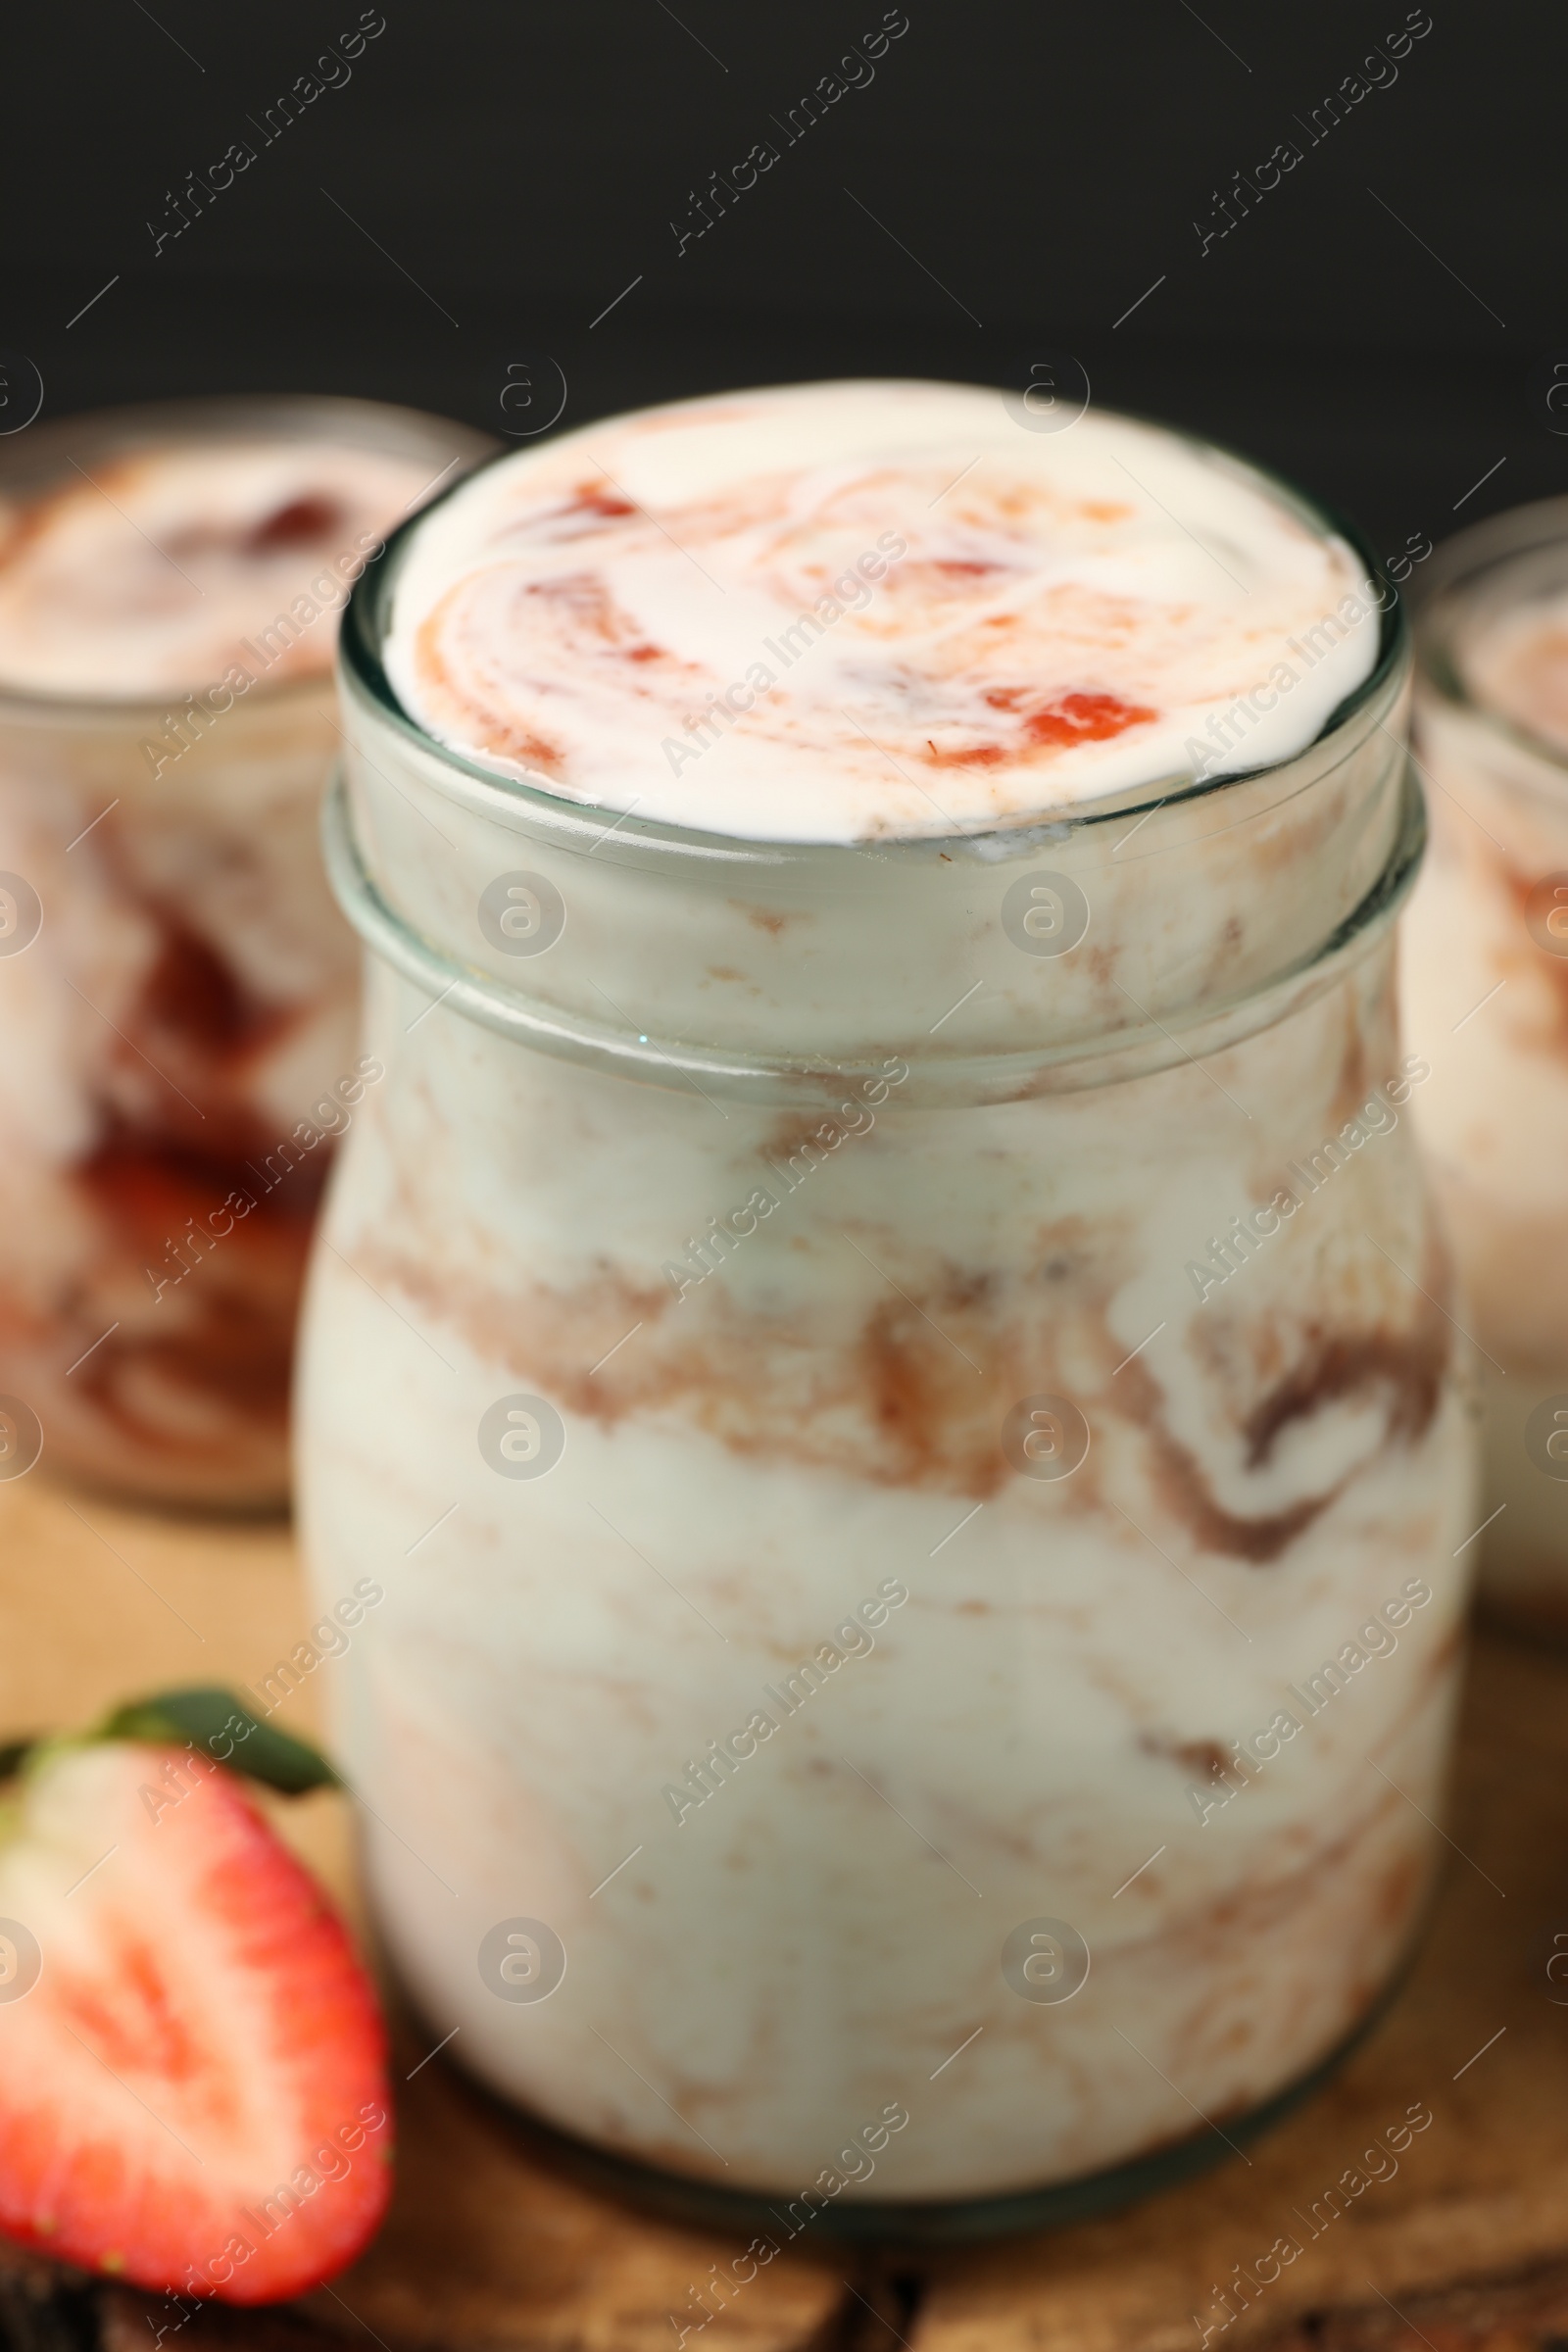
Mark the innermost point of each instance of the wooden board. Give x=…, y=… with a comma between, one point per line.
x=487, y=2245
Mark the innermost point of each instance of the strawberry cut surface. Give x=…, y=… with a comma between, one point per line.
x=193, y=2089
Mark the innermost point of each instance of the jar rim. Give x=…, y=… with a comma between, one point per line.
x=215, y=418
x=362, y=634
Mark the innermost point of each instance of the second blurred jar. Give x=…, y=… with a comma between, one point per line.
x=177, y=994
x=1485, y=986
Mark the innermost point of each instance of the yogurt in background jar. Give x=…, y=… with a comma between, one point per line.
x=1485, y=968
x=177, y=994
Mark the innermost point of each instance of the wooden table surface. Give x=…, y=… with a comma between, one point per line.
x=487, y=2246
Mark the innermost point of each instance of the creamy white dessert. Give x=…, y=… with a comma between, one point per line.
x=1485, y=968
x=918, y=1535
x=852, y=611
x=177, y=994
x=149, y=571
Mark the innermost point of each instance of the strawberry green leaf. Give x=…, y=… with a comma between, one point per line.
x=221, y=1726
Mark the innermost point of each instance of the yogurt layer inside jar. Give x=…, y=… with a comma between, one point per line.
x=883, y=1348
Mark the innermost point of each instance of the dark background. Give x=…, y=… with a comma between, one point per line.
x=1381, y=325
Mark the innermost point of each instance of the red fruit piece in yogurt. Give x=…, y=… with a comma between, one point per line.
x=1063, y=720
x=301, y=522
x=589, y=497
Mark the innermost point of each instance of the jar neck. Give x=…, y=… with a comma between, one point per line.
x=1101, y=942
x=1133, y=1049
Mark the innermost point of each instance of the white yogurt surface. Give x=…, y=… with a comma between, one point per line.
x=844, y=611
x=145, y=574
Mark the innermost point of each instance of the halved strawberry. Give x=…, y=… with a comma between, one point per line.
x=193, y=2090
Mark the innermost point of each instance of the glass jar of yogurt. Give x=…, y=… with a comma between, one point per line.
x=881, y=1337
x=178, y=1000
x=1485, y=973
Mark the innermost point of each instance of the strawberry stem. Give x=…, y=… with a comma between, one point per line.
x=221, y=1726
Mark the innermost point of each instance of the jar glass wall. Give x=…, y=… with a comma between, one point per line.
x=1485, y=973
x=898, y=1412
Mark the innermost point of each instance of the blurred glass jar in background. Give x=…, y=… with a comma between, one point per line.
x=1486, y=1001
x=177, y=994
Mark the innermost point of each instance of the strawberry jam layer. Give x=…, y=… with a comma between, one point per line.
x=162, y=1353
x=223, y=1251
x=189, y=1090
